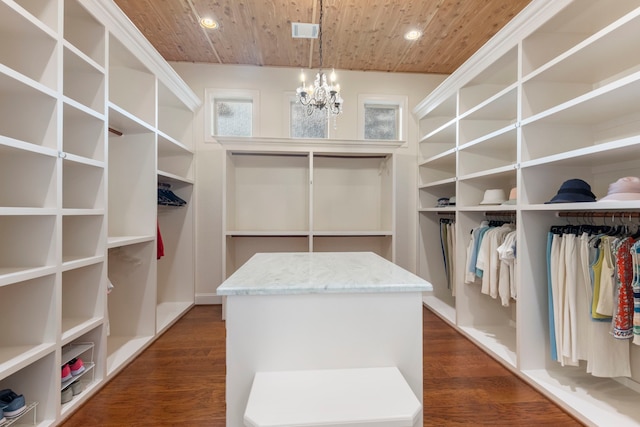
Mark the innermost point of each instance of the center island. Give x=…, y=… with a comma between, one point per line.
x=320, y=311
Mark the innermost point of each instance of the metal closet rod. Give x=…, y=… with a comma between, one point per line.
x=599, y=214
x=500, y=213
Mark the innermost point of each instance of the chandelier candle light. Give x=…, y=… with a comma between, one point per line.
x=321, y=94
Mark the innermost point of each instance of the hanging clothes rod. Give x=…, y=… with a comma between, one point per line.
x=449, y=213
x=500, y=213
x=599, y=214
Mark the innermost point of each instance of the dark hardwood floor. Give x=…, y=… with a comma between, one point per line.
x=179, y=380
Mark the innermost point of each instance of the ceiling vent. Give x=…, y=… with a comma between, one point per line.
x=300, y=30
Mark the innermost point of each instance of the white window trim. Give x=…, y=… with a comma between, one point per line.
x=398, y=100
x=210, y=94
x=286, y=117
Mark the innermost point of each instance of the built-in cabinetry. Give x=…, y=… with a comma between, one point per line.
x=553, y=96
x=284, y=195
x=91, y=120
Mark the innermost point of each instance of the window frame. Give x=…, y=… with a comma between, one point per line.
x=211, y=94
x=290, y=99
x=399, y=101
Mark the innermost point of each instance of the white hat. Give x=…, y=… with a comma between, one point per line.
x=627, y=188
x=494, y=196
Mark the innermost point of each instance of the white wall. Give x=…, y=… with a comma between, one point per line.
x=274, y=84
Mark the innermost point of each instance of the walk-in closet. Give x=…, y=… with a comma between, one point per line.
x=545, y=112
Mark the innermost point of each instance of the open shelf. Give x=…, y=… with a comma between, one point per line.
x=134, y=186
x=174, y=158
x=495, y=114
x=28, y=242
x=352, y=193
x=499, y=150
x=83, y=82
x=84, y=32
x=176, y=277
x=83, y=293
x=175, y=119
x=27, y=114
x=27, y=47
x=44, y=11
x=132, y=302
x=438, y=142
x=126, y=71
x=438, y=115
x=36, y=383
x=267, y=192
x=32, y=178
x=438, y=168
x=82, y=186
x=568, y=28
x=82, y=237
x=21, y=346
x=501, y=74
x=83, y=133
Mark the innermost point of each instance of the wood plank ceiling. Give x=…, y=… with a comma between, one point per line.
x=365, y=35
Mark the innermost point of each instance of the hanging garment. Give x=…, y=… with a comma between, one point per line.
x=604, y=302
x=550, y=299
x=603, y=271
x=507, y=280
x=635, y=252
x=583, y=313
x=160, y=247
x=451, y=246
x=570, y=327
x=472, y=251
x=576, y=266
x=623, y=313
x=489, y=258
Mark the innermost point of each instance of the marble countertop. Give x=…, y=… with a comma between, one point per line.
x=320, y=272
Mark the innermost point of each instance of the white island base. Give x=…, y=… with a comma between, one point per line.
x=315, y=311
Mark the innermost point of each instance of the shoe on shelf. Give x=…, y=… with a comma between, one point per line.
x=2, y=417
x=67, y=395
x=76, y=366
x=77, y=387
x=66, y=373
x=11, y=403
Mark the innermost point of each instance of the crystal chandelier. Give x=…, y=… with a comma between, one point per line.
x=321, y=94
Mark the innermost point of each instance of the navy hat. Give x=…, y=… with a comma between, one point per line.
x=573, y=190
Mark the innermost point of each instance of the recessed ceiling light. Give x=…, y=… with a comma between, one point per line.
x=413, y=35
x=208, y=23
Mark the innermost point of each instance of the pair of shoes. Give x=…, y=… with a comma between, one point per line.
x=77, y=387
x=11, y=403
x=71, y=369
x=67, y=395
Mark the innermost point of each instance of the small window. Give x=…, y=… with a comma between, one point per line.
x=381, y=122
x=303, y=125
x=232, y=117
x=231, y=112
x=382, y=117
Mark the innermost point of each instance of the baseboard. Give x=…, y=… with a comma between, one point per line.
x=208, y=299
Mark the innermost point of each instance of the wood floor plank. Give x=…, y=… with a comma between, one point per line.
x=179, y=380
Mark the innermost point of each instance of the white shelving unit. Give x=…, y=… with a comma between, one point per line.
x=551, y=97
x=284, y=195
x=81, y=206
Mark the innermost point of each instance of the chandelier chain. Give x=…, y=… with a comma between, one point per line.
x=320, y=34
x=324, y=93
